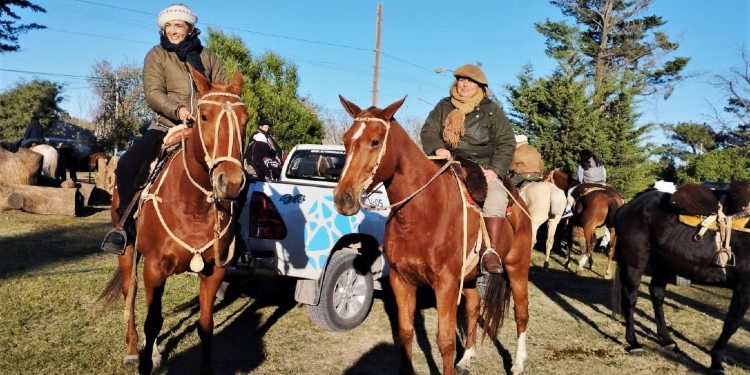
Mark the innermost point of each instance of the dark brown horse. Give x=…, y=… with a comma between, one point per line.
x=652, y=236
x=424, y=240
x=187, y=210
x=595, y=206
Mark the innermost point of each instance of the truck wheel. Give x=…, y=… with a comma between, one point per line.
x=345, y=296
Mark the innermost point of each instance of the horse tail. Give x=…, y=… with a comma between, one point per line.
x=612, y=206
x=617, y=293
x=496, y=303
x=112, y=291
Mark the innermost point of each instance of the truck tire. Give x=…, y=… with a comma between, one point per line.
x=345, y=296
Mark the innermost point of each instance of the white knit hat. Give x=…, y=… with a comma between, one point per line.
x=176, y=12
x=521, y=138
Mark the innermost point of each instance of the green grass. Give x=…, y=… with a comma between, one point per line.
x=52, y=272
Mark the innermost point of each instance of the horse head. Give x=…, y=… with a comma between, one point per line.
x=367, y=160
x=221, y=129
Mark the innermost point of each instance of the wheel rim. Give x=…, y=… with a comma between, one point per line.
x=349, y=294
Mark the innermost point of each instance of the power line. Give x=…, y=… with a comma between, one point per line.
x=62, y=75
x=303, y=40
x=97, y=36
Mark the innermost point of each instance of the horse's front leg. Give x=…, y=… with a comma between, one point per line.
x=126, y=264
x=153, y=282
x=518, y=274
x=472, y=302
x=446, y=294
x=207, y=295
x=406, y=301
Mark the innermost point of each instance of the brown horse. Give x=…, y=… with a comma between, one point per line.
x=187, y=209
x=425, y=241
x=595, y=206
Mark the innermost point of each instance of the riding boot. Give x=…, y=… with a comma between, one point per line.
x=490, y=260
x=131, y=174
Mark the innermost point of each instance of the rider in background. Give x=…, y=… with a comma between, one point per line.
x=170, y=93
x=34, y=133
x=470, y=124
x=263, y=154
x=591, y=169
x=527, y=164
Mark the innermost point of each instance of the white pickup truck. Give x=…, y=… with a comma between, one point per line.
x=291, y=228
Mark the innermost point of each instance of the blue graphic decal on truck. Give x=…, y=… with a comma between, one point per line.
x=323, y=227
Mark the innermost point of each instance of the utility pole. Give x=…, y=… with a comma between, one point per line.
x=377, y=56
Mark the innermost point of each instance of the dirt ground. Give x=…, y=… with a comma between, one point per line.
x=52, y=274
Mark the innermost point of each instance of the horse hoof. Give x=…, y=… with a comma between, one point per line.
x=131, y=359
x=607, y=276
x=516, y=370
x=638, y=351
x=669, y=346
x=546, y=265
x=156, y=360
x=462, y=370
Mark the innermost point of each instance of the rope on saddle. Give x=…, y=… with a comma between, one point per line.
x=469, y=260
x=724, y=225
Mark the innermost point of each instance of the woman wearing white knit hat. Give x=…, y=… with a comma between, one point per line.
x=169, y=93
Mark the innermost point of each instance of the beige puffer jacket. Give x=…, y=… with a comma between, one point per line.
x=167, y=83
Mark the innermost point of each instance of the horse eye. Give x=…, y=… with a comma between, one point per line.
x=375, y=143
x=203, y=117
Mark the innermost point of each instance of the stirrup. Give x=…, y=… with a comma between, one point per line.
x=723, y=258
x=114, y=242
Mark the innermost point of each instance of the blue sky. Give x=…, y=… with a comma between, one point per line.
x=331, y=42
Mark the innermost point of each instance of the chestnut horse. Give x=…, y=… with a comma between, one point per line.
x=427, y=235
x=186, y=210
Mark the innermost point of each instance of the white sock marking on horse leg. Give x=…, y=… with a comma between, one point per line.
x=466, y=358
x=518, y=364
x=582, y=262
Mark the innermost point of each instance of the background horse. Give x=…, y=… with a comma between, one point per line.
x=595, y=206
x=49, y=159
x=546, y=203
x=188, y=209
x=423, y=248
x=651, y=235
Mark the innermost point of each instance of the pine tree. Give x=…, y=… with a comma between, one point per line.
x=269, y=92
x=609, y=57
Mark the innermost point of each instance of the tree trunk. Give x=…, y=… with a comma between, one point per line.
x=21, y=167
x=40, y=200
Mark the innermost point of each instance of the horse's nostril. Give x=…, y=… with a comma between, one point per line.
x=348, y=200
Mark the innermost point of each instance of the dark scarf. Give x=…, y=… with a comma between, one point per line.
x=188, y=50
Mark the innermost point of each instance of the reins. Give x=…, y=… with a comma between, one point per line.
x=370, y=178
x=211, y=160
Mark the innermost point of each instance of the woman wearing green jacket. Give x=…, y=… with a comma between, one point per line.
x=470, y=124
x=170, y=93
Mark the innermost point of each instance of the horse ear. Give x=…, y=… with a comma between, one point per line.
x=389, y=111
x=350, y=107
x=201, y=82
x=237, y=81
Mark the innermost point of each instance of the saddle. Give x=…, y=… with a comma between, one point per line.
x=721, y=208
x=472, y=175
